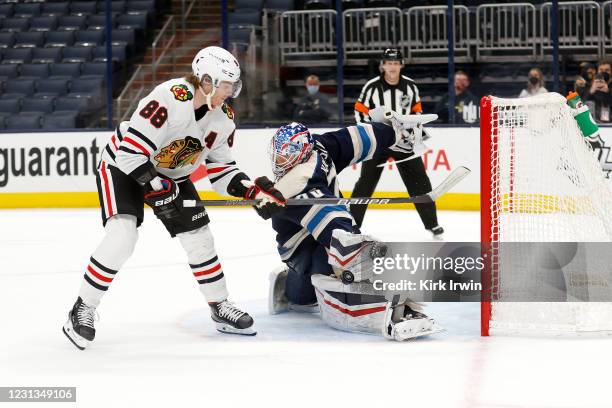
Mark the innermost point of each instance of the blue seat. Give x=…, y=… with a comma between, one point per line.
x=26, y=121
x=66, y=70
x=10, y=105
x=56, y=9
x=65, y=103
x=44, y=23
x=245, y=18
x=46, y=55
x=248, y=4
x=141, y=5
x=20, y=86
x=3, y=121
x=98, y=21
x=60, y=120
x=34, y=71
x=116, y=7
x=59, y=39
x=27, y=10
x=29, y=39
x=52, y=88
x=240, y=35
x=76, y=54
x=83, y=8
x=6, y=10
x=124, y=37
x=89, y=38
x=119, y=53
x=280, y=5
x=97, y=69
x=17, y=55
x=9, y=70
x=15, y=24
x=43, y=105
x=7, y=40
x=133, y=21
x=318, y=4
x=86, y=87
x=72, y=23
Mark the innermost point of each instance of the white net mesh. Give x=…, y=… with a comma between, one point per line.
x=546, y=186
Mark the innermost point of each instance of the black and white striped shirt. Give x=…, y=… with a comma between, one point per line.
x=402, y=98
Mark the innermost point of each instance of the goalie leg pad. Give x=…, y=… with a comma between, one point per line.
x=358, y=307
x=351, y=308
x=277, y=298
x=353, y=253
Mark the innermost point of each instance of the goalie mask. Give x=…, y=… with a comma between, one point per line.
x=291, y=145
x=218, y=67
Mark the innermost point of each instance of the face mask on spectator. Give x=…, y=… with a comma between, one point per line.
x=312, y=89
x=605, y=76
x=534, y=80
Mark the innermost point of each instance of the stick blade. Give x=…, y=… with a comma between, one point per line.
x=455, y=177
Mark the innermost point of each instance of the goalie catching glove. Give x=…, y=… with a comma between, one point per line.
x=272, y=200
x=163, y=198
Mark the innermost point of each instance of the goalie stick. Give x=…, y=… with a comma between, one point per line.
x=449, y=182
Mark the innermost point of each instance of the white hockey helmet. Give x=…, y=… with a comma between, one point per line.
x=218, y=66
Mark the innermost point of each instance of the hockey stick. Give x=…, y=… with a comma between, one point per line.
x=449, y=182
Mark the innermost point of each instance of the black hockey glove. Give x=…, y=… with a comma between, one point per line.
x=165, y=202
x=272, y=200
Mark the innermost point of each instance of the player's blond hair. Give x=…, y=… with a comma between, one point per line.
x=193, y=80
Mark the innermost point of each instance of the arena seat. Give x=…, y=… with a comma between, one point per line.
x=46, y=55
x=60, y=120
x=23, y=121
x=52, y=87
x=43, y=23
x=38, y=105
x=34, y=71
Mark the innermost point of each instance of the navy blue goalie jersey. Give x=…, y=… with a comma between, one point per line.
x=317, y=177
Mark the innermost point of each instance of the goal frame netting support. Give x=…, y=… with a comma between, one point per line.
x=538, y=136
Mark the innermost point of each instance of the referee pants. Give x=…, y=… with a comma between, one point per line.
x=414, y=177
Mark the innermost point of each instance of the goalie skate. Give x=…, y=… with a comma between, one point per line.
x=80, y=325
x=229, y=319
x=413, y=324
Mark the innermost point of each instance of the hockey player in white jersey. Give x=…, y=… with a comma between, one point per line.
x=319, y=242
x=181, y=124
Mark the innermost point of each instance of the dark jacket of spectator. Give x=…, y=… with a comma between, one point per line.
x=466, y=103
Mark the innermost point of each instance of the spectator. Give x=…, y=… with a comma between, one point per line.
x=587, y=72
x=314, y=107
x=535, y=84
x=599, y=99
x=605, y=67
x=466, y=103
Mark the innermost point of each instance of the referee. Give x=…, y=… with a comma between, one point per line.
x=400, y=94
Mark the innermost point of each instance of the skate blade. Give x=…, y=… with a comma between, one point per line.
x=226, y=328
x=314, y=308
x=78, y=341
x=403, y=336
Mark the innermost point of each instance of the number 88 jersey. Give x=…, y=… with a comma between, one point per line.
x=165, y=131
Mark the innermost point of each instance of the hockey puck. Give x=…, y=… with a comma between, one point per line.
x=347, y=277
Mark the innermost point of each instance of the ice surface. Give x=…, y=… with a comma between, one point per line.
x=157, y=347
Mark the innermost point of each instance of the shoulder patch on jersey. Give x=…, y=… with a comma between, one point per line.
x=179, y=153
x=228, y=111
x=181, y=93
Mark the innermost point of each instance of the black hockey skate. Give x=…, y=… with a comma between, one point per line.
x=229, y=319
x=80, y=325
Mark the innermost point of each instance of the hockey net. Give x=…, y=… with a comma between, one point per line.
x=540, y=182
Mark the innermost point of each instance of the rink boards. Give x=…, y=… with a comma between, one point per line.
x=57, y=170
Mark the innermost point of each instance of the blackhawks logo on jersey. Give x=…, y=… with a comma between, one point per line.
x=179, y=153
x=228, y=111
x=181, y=93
